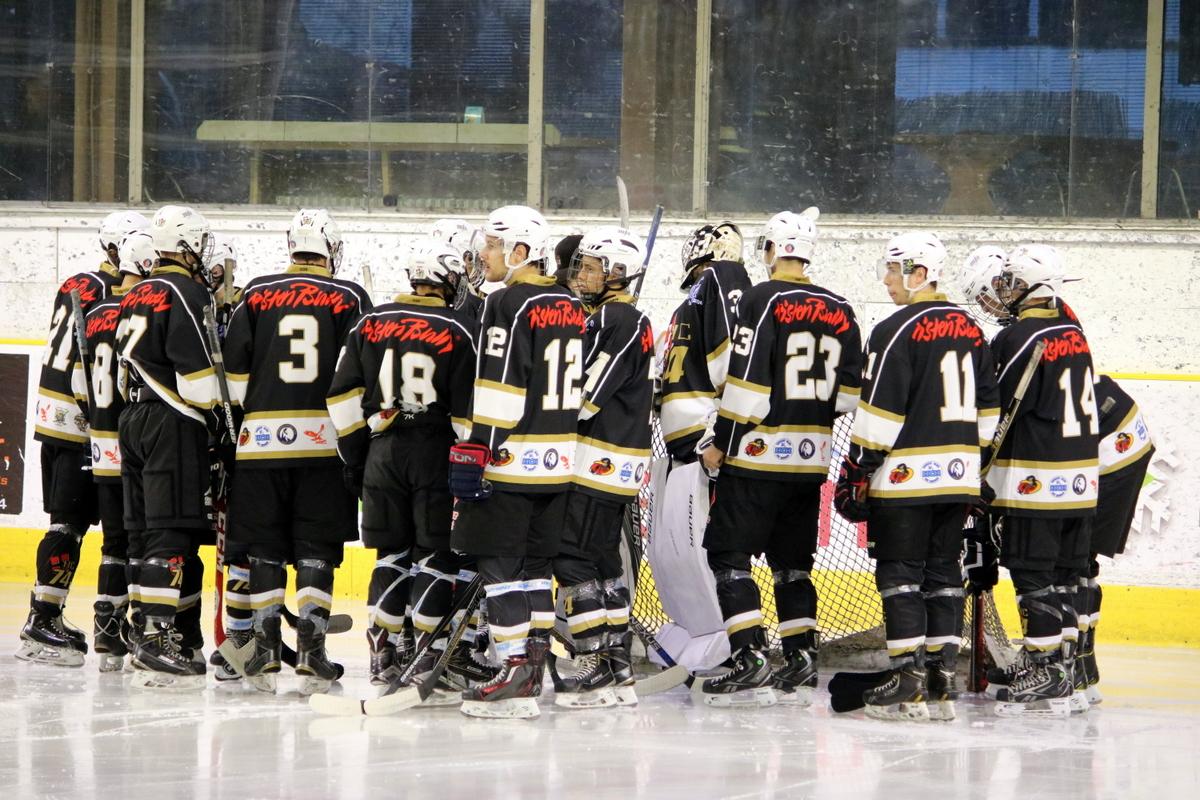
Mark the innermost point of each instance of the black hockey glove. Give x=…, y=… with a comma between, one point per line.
x=850, y=494
x=983, y=504
x=468, y=460
x=981, y=559
x=352, y=478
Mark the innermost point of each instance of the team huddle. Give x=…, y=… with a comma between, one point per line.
x=495, y=439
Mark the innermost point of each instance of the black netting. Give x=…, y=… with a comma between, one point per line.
x=849, y=614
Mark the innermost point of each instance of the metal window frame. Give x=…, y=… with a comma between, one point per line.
x=137, y=92
x=536, y=127
x=1152, y=106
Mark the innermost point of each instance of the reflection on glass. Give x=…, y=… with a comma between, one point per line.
x=928, y=106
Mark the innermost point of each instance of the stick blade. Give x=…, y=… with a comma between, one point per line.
x=392, y=703
x=236, y=656
x=332, y=705
x=662, y=682
x=340, y=623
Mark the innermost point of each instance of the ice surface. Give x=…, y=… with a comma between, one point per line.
x=76, y=733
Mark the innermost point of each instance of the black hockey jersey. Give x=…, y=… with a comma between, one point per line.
x=108, y=378
x=928, y=405
x=1124, y=436
x=529, y=384
x=697, y=355
x=57, y=418
x=1048, y=463
x=280, y=353
x=613, y=453
x=161, y=336
x=408, y=363
x=796, y=363
x=471, y=307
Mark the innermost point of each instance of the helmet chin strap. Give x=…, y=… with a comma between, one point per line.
x=1014, y=307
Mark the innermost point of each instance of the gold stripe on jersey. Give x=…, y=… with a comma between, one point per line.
x=498, y=405
x=744, y=401
x=796, y=449
x=988, y=419
x=106, y=454
x=874, y=428
x=346, y=411
x=682, y=413
x=610, y=468
x=1133, y=435
x=927, y=472
x=199, y=389
x=847, y=399
x=286, y=434
x=462, y=428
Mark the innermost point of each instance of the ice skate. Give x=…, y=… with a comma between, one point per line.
x=263, y=667
x=465, y=668
x=385, y=663
x=900, y=697
x=747, y=683
x=1004, y=676
x=1044, y=690
x=1076, y=677
x=46, y=640
x=108, y=637
x=795, y=680
x=447, y=691
x=510, y=695
x=160, y=662
x=590, y=686
x=317, y=673
x=621, y=667
x=1091, y=673
x=941, y=685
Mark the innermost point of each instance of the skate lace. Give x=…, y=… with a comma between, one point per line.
x=1035, y=676
x=586, y=664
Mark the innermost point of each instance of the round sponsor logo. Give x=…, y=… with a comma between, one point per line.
x=807, y=449
x=81, y=423
x=602, y=466
x=931, y=471
x=626, y=473
x=244, y=437
x=550, y=460
x=286, y=433
x=1080, y=484
x=783, y=449
x=639, y=473
x=902, y=473
x=262, y=436
x=530, y=460
x=956, y=469
x=503, y=457
x=95, y=453
x=756, y=448
x=1140, y=429
x=1058, y=486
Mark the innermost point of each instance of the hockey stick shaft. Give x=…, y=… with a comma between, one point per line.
x=81, y=344
x=232, y=655
x=674, y=675
x=368, y=282
x=623, y=202
x=214, y=346
x=651, y=238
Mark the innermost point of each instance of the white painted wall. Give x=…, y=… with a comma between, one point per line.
x=1139, y=300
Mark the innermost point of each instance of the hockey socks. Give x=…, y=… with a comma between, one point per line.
x=314, y=596
x=57, y=560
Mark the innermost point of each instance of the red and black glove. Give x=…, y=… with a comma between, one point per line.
x=850, y=494
x=468, y=460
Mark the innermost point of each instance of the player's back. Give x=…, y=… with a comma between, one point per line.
x=1048, y=464
x=104, y=398
x=796, y=363
x=929, y=401
x=280, y=352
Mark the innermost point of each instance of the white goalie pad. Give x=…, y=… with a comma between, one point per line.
x=682, y=577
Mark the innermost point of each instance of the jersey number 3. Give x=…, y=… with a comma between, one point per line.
x=304, y=333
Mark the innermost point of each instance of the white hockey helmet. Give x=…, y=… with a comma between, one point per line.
x=432, y=262
x=1032, y=271
x=720, y=242
x=467, y=239
x=117, y=225
x=314, y=231
x=514, y=225
x=137, y=253
x=179, y=229
x=791, y=235
x=224, y=257
x=911, y=250
x=978, y=279
x=621, y=254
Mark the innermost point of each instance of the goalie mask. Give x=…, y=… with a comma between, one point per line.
x=314, y=231
x=510, y=226
x=434, y=263
x=788, y=235
x=720, y=242
x=912, y=250
x=183, y=233
x=607, y=258
x=978, y=280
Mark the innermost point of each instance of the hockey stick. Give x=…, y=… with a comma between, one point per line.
x=81, y=344
x=234, y=655
x=651, y=238
x=674, y=675
x=623, y=203
x=333, y=705
x=338, y=623
x=976, y=681
x=368, y=282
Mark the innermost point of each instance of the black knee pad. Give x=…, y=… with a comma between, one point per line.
x=891, y=574
x=728, y=560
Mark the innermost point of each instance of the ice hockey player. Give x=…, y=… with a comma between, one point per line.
x=288, y=502
x=464, y=238
x=977, y=281
x=68, y=493
x=611, y=460
x=928, y=407
x=170, y=395
x=120, y=559
x=1045, y=479
x=517, y=464
x=226, y=292
x=697, y=355
x=1126, y=448
x=400, y=398
x=796, y=363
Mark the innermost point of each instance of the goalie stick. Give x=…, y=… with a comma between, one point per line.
x=674, y=675
x=398, y=696
x=976, y=682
